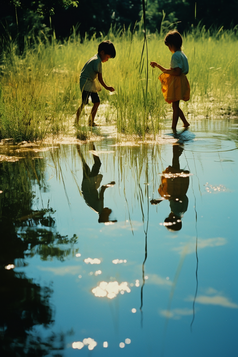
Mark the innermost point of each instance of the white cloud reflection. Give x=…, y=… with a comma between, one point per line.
x=111, y=289
x=127, y=225
x=158, y=280
x=217, y=299
x=201, y=244
x=73, y=270
x=176, y=314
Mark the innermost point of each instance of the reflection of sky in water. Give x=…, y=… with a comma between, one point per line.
x=142, y=288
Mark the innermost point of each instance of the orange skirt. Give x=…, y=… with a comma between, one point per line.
x=174, y=88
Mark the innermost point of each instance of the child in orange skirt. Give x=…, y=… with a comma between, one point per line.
x=175, y=86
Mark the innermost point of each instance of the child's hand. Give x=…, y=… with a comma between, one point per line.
x=153, y=64
x=111, y=89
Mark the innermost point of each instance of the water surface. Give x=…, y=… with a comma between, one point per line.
x=130, y=250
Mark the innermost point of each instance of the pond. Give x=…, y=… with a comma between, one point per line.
x=121, y=249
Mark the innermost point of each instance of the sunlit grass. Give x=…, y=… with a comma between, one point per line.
x=39, y=91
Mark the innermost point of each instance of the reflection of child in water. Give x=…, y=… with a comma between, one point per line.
x=173, y=187
x=90, y=185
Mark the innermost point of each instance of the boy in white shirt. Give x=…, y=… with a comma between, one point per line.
x=91, y=78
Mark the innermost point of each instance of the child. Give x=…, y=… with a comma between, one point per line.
x=175, y=85
x=174, y=186
x=93, y=196
x=89, y=77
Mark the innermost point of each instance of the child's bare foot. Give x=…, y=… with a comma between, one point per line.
x=186, y=125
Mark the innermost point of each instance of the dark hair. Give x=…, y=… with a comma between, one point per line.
x=173, y=38
x=108, y=48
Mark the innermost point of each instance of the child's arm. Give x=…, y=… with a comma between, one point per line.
x=111, y=89
x=173, y=71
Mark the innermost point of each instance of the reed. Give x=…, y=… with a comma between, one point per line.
x=39, y=91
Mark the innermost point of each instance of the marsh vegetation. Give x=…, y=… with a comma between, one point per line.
x=39, y=91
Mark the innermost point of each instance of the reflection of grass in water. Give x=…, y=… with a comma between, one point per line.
x=142, y=164
x=40, y=92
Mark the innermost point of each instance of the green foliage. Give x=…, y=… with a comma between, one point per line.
x=27, y=18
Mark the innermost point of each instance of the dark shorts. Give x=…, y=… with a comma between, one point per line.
x=86, y=95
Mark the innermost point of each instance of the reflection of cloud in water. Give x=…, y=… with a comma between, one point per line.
x=62, y=270
x=92, y=261
x=218, y=299
x=111, y=289
x=86, y=342
x=176, y=314
x=202, y=243
x=158, y=280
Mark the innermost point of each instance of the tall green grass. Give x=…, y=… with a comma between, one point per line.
x=39, y=91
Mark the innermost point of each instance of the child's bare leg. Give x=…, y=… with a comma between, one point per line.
x=175, y=106
x=184, y=120
x=93, y=113
x=178, y=113
x=78, y=113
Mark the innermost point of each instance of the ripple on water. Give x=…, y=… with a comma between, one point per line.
x=211, y=143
